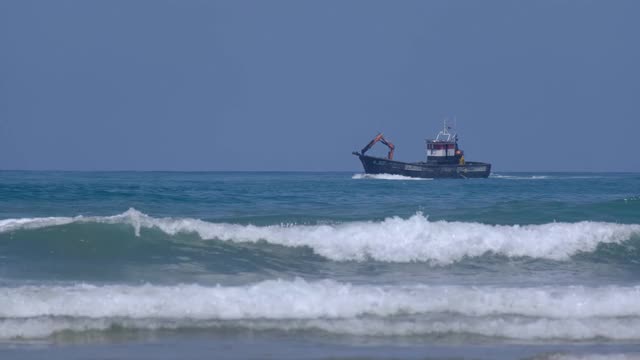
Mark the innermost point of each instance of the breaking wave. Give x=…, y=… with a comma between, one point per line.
x=392, y=240
x=573, y=312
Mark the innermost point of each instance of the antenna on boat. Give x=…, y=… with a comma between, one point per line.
x=455, y=127
x=445, y=135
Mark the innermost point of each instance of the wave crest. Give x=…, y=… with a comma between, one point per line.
x=392, y=240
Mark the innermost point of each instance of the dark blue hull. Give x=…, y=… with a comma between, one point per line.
x=471, y=169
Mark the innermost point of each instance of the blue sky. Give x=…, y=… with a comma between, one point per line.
x=298, y=85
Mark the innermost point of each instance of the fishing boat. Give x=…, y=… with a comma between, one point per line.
x=445, y=159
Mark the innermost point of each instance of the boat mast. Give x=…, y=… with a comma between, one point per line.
x=445, y=133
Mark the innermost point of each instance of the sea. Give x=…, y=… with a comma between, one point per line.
x=318, y=265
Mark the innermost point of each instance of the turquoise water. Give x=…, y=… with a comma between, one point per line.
x=331, y=264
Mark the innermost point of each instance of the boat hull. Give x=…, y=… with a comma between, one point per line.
x=471, y=169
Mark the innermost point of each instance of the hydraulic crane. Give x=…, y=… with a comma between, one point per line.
x=380, y=138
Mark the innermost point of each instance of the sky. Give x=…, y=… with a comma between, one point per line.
x=299, y=85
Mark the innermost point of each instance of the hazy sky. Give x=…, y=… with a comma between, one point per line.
x=298, y=85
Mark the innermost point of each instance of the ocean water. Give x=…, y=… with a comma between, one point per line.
x=318, y=265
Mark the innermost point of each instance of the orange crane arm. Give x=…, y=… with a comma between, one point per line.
x=380, y=138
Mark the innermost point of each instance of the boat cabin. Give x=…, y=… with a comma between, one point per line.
x=444, y=148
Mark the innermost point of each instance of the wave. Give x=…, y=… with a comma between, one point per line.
x=572, y=312
x=543, y=177
x=517, y=329
x=391, y=240
x=519, y=177
x=385, y=177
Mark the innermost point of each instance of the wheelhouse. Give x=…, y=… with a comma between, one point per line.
x=444, y=148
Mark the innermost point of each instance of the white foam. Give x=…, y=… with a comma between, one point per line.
x=543, y=177
x=279, y=299
x=517, y=177
x=393, y=239
x=522, y=329
x=521, y=313
x=590, y=329
x=385, y=177
x=7, y=225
